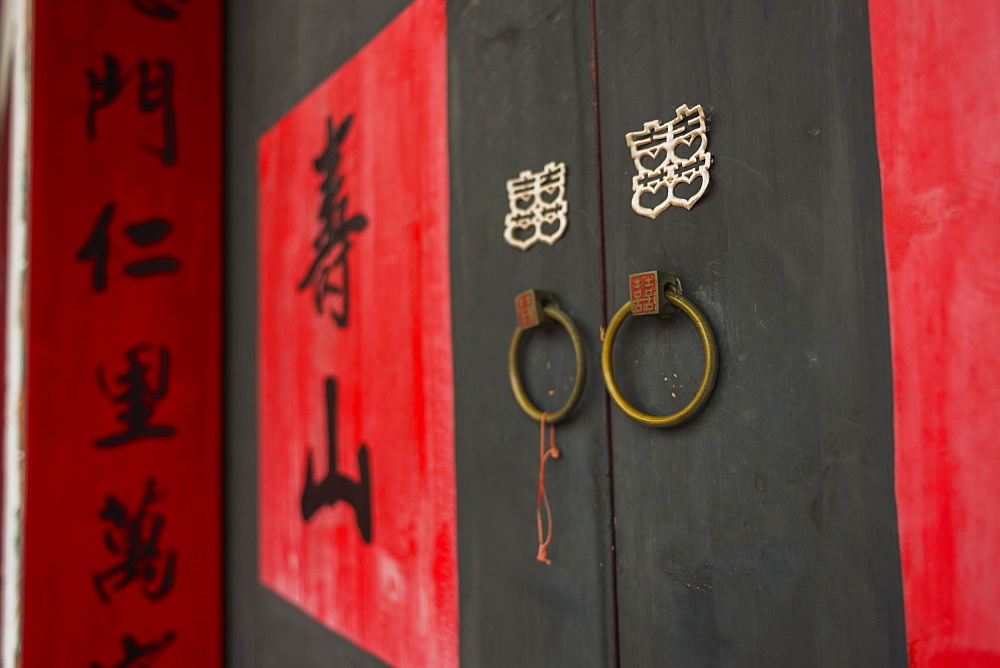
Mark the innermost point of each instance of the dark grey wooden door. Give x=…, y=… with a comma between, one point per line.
x=522, y=94
x=761, y=533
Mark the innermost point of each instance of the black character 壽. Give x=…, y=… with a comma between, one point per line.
x=141, y=233
x=138, y=397
x=134, y=539
x=336, y=486
x=155, y=94
x=134, y=652
x=328, y=273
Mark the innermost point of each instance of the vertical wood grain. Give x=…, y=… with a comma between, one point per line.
x=522, y=95
x=763, y=532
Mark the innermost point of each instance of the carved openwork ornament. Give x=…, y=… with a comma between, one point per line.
x=672, y=162
x=537, y=207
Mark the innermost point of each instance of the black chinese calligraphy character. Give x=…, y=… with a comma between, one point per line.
x=148, y=652
x=156, y=93
x=138, y=397
x=141, y=233
x=134, y=539
x=158, y=9
x=96, y=249
x=328, y=273
x=336, y=486
x=104, y=89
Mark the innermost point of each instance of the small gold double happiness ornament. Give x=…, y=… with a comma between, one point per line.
x=538, y=207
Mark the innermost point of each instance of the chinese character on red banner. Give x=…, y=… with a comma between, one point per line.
x=357, y=479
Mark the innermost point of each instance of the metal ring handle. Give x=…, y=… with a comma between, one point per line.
x=553, y=312
x=707, y=381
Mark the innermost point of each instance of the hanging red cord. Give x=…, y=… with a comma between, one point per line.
x=543, y=498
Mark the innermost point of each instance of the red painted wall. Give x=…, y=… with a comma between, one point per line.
x=937, y=99
x=123, y=532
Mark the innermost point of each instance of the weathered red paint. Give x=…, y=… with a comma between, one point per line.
x=396, y=596
x=72, y=330
x=935, y=68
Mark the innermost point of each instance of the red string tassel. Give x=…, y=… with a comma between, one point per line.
x=544, y=453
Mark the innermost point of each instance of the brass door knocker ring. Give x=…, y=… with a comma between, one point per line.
x=534, y=308
x=656, y=292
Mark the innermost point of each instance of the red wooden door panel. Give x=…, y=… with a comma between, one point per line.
x=357, y=482
x=937, y=104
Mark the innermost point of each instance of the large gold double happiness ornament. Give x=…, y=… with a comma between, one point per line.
x=671, y=160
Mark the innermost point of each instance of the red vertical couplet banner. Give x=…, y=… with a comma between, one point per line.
x=122, y=542
x=357, y=480
x=935, y=67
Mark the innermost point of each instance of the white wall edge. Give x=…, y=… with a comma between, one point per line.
x=17, y=15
